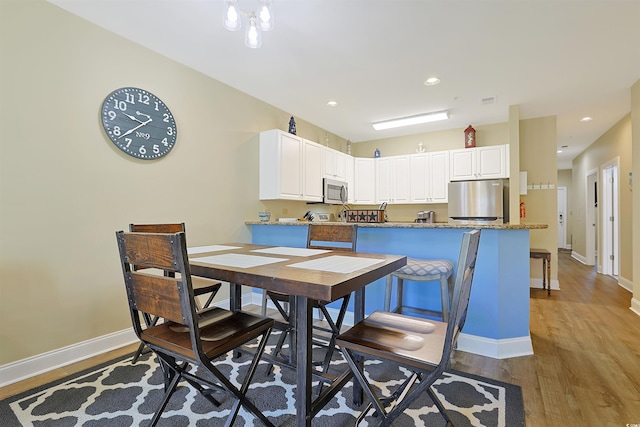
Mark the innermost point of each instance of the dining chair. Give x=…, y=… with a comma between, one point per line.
x=422, y=346
x=201, y=285
x=328, y=237
x=188, y=342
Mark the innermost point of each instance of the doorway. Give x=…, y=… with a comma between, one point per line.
x=591, y=217
x=610, y=219
x=562, y=217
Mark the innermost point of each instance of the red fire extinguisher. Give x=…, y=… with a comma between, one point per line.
x=523, y=211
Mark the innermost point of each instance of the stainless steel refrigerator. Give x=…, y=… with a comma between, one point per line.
x=479, y=202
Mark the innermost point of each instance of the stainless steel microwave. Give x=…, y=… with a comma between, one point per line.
x=335, y=192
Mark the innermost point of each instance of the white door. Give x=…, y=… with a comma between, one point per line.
x=610, y=220
x=562, y=217
x=591, y=217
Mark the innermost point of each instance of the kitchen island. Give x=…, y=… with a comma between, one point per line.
x=498, y=318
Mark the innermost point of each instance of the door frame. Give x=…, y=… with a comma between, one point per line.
x=610, y=259
x=562, y=226
x=591, y=217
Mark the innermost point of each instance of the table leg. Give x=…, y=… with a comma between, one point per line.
x=235, y=297
x=358, y=315
x=303, y=332
x=549, y=275
x=235, y=304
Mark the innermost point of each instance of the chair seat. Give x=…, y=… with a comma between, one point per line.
x=423, y=267
x=398, y=337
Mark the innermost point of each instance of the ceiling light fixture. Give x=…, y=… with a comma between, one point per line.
x=260, y=20
x=411, y=120
x=432, y=81
x=586, y=119
x=332, y=103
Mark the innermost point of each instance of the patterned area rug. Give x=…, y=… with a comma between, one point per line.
x=121, y=394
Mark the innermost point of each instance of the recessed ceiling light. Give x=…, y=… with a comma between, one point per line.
x=432, y=81
x=332, y=103
x=559, y=151
x=586, y=119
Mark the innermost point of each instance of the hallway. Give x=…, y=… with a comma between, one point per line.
x=586, y=366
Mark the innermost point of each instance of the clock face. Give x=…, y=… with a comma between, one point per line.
x=139, y=123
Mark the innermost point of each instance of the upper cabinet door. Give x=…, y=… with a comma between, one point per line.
x=311, y=171
x=463, y=164
x=290, y=154
x=334, y=164
x=492, y=162
x=430, y=177
x=364, y=181
x=479, y=163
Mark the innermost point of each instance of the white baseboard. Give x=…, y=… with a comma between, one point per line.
x=635, y=306
x=578, y=257
x=496, y=349
x=625, y=283
x=36, y=365
x=537, y=284
x=45, y=362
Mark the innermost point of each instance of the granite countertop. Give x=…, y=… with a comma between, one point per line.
x=400, y=224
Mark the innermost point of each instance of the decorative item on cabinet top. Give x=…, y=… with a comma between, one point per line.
x=469, y=137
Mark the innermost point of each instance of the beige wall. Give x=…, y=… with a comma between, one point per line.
x=493, y=134
x=538, y=157
x=613, y=144
x=65, y=188
x=565, y=179
x=635, y=209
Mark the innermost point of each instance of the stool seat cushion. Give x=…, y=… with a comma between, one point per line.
x=424, y=267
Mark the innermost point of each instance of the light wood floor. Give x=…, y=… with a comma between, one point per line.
x=586, y=367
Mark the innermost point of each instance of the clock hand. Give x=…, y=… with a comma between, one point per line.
x=133, y=118
x=149, y=120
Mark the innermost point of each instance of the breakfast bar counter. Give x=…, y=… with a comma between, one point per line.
x=498, y=318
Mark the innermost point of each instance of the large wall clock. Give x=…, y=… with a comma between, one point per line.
x=139, y=123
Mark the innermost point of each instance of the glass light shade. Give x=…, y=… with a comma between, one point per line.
x=232, y=20
x=253, y=35
x=265, y=15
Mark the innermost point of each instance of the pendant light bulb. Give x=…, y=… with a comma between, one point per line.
x=231, y=15
x=253, y=36
x=265, y=15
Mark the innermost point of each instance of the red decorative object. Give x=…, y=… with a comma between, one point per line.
x=469, y=137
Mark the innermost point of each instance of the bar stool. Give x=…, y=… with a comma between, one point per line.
x=422, y=270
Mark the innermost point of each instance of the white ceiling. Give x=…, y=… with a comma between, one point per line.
x=566, y=58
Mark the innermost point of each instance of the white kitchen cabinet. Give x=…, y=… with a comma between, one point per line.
x=334, y=164
x=393, y=179
x=290, y=167
x=311, y=171
x=429, y=177
x=364, y=192
x=479, y=163
x=350, y=178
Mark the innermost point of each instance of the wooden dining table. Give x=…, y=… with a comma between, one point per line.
x=305, y=274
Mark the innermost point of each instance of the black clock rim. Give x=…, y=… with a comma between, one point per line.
x=130, y=154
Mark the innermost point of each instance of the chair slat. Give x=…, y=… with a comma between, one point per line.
x=150, y=251
x=157, y=296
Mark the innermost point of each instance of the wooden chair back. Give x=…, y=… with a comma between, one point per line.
x=334, y=237
x=168, y=296
x=157, y=228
